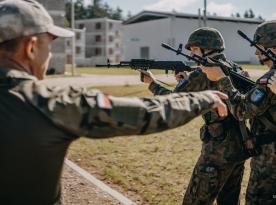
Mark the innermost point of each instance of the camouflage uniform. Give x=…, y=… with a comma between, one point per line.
x=38, y=123
x=219, y=169
x=259, y=106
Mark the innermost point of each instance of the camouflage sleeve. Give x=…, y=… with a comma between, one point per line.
x=253, y=104
x=194, y=82
x=96, y=115
x=157, y=89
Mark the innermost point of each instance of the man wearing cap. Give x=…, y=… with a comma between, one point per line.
x=258, y=105
x=38, y=122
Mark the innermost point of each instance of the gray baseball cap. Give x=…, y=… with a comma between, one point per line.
x=20, y=18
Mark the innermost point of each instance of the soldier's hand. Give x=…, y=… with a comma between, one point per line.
x=147, y=77
x=213, y=73
x=272, y=83
x=244, y=73
x=218, y=104
x=181, y=75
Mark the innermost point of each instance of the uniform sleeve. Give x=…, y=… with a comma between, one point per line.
x=253, y=104
x=157, y=89
x=97, y=115
x=194, y=82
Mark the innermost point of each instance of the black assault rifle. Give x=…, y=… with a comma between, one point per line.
x=143, y=64
x=266, y=52
x=240, y=82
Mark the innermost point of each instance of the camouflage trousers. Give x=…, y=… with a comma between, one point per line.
x=218, y=172
x=261, y=188
x=209, y=182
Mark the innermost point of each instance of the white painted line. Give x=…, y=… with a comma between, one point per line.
x=121, y=198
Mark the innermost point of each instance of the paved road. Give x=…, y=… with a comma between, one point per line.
x=101, y=80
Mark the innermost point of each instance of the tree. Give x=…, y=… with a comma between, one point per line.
x=238, y=15
x=251, y=14
x=97, y=10
x=246, y=14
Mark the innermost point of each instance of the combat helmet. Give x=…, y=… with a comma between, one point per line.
x=206, y=38
x=265, y=34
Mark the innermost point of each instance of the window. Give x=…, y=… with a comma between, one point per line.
x=78, y=36
x=98, y=26
x=98, y=51
x=110, y=51
x=110, y=25
x=98, y=38
x=117, y=33
x=118, y=58
x=81, y=26
x=68, y=43
x=144, y=52
x=78, y=50
x=111, y=38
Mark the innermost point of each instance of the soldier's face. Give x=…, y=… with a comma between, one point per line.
x=41, y=55
x=262, y=59
x=195, y=50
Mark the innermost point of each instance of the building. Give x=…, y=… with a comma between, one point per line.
x=144, y=33
x=80, y=35
x=57, y=10
x=103, y=41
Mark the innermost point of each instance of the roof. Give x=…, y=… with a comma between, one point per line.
x=153, y=15
x=97, y=20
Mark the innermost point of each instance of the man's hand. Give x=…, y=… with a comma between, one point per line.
x=218, y=104
x=181, y=75
x=147, y=77
x=213, y=73
x=272, y=83
x=244, y=73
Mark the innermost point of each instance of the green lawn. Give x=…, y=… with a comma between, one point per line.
x=129, y=71
x=153, y=169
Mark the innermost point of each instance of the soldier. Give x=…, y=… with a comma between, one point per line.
x=259, y=106
x=219, y=170
x=38, y=123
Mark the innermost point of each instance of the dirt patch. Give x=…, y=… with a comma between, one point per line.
x=78, y=191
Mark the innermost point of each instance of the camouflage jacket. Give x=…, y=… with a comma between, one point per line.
x=196, y=81
x=38, y=123
x=257, y=104
x=216, y=129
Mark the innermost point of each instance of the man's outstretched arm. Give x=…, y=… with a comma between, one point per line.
x=97, y=115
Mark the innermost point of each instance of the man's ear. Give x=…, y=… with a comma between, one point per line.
x=31, y=47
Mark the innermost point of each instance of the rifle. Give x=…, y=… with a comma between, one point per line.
x=266, y=52
x=143, y=64
x=240, y=82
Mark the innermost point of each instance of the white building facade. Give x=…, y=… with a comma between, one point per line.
x=80, y=43
x=144, y=33
x=103, y=40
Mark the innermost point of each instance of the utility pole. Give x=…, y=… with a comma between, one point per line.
x=73, y=38
x=205, y=13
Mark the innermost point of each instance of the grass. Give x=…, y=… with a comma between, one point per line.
x=153, y=169
x=128, y=71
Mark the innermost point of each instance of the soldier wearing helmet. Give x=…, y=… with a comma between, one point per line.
x=219, y=169
x=258, y=105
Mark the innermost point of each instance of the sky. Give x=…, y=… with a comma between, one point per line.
x=265, y=8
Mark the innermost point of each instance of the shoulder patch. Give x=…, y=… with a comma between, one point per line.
x=263, y=81
x=257, y=96
x=103, y=101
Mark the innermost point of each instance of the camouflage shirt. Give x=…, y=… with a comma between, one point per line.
x=257, y=103
x=38, y=123
x=223, y=129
